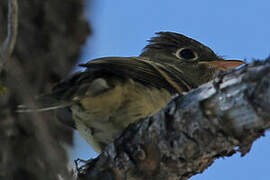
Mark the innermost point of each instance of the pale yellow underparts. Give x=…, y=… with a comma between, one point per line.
x=108, y=111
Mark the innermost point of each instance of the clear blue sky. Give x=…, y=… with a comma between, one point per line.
x=233, y=29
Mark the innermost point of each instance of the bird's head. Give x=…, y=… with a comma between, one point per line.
x=190, y=60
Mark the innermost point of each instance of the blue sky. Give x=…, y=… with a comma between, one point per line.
x=233, y=29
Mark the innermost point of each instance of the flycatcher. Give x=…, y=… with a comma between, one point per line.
x=113, y=92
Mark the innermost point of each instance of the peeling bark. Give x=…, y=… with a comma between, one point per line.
x=216, y=120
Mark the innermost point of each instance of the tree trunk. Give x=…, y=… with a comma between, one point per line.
x=50, y=34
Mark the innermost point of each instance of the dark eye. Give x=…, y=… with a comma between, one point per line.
x=186, y=53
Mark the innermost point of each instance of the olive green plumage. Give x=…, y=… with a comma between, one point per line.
x=113, y=92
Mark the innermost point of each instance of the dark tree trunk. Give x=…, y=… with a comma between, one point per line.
x=50, y=35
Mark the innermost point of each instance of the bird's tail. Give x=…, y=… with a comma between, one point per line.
x=42, y=104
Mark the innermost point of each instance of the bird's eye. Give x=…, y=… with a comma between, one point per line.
x=186, y=53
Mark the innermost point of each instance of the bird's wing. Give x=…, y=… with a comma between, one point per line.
x=139, y=69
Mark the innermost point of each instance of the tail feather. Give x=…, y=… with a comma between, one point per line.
x=61, y=109
x=25, y=109
x=44, y=103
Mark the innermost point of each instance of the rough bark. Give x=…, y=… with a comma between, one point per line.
x=218, y=119
x=50, y=34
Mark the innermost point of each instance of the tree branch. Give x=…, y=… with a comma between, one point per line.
x=218, y=119
x=9, y=43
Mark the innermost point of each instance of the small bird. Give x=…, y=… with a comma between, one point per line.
x=113, y=92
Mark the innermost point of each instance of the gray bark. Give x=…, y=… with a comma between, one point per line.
x=218, y=119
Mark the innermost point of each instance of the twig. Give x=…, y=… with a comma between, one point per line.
x=12, y=28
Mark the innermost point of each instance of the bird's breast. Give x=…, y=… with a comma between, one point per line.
x=101, y=117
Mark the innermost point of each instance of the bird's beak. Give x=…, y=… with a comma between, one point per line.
x=223, y=64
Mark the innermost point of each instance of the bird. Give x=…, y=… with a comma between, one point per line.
x=113, y=92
